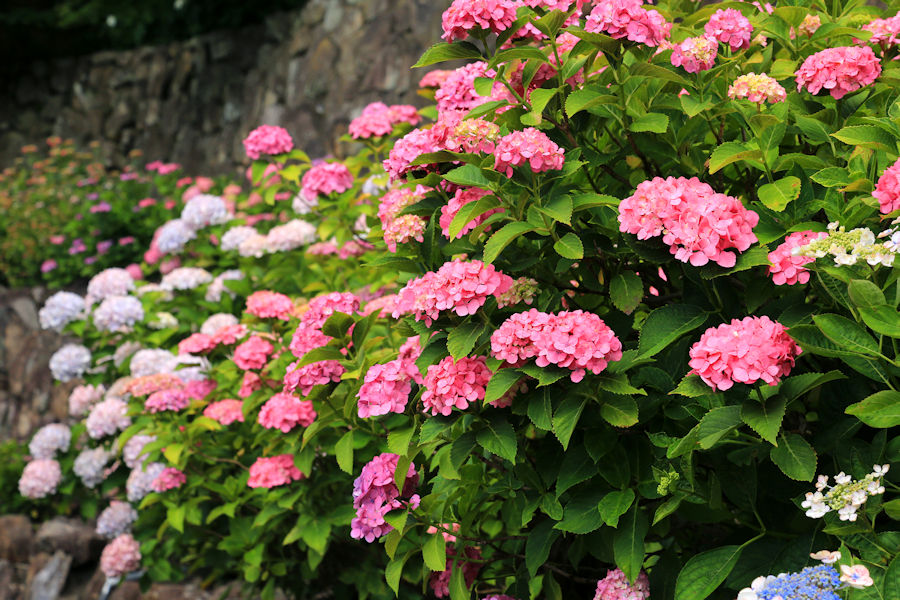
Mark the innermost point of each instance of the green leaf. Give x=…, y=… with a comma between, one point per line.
x=880, y=410
x=462, y=338
x=846, y=334
x=754, y=257
x=175, y=517
x=551, y=23
x=665, y=325
x=499, y=438
x=394, y=571
x=569, y=246
x=626, y=291
x=442, y=52
x=617, y=383
x=337, y=325
x=764, y=419
x=559, y=209
x=545, y=375
x=500, y=383
x=400, y=473
x=619, y=411
x=585, y=98
x=666, y=508
x=399, y=439
x=540, y=410
x=628, y=543
x=692, y=387
x=319, y=354
x=865, y=294
x=652, y=122
x=434, y=551
x=867, y=136
x=892, y=509
x=503, y=238
x=731, y=152
x=458, y=588
x=566, y=417
x=343, y=451
x=538, y=545
x=882, y=319
x=832, y=177
x=892, y=579
x=705, y=572
x=581, y=516
x=776, y=196
x=716, y=424
x=468, y=175
x=644, y=69
x=614, y=505
x=795, y=457
x=797, y=385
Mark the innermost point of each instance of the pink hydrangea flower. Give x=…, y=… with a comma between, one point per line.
x=253, y=354
x=198, y=389
x=325, y=179
x=529, y=146
x=395, y=200
x=887, y=189
x=196, y=343
x=457, y=92
x=385, y=389
x=407, y=149
x=121, y=556
x=274, y=471
x=460, y=286
x=166, y=400
x=523, y=289
x=378, y=119
x=284, y=411
x=448, y=537
x=885, y=32
x=465, y=15
x=403, y=229
x=375, y=494
x=628, y=19
x=730, y=27
x=268, y=139
x=410, y=352
x=107, y=418
x=269, y=305
x=787, y=268
x=40, y=478
x=169, y=479
x=229, y=334
x=471, y=135
x=439, y=581
x=575, y=340
x=307, y=377
x=225, y=412
x=322, y=307
x=453, y=384
x=810, y=25
x=757, y=88
x=839, y=70
x=695, y=54
x=83, y=397
x=434, y=79
x=615, y=586
x=744, y=351
x=462, y=197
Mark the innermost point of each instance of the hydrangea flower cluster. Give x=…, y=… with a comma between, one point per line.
x=846, y=496
x=529, y=146
x=90, y=466
x=121, y=556
x=325, y=179
x=109, y=282
x=116, y=519
x=83, y=397
x=118, y=312
x=270, y=305
x=465, y=15
x=744, y=351
x=70, y=362
x=385, y=389
x=462, y=197
x=60, y=309
x=628, y=19
x=757, y=87
x=810, y=25
x=284, y=411
x=185, y=278
x=274, y=471
x=167, y=400
x=375, y=494
x=172, y=237
x=523, y=289
x=730, y=27
x=133, y=452
x=439, y=581
x=615, y=586
x=49, y=440
x=788, y=268
x=887, y=189
x=848, y=247
x=107, y=418
x=885, y=32
x=401, y=229
x=839, y=70
x=234, y=237
x=695, y=54
x=152, y=361
x=434, y=79
x=455, y=383
x=576, y=340
x=817, y=583
x=459, y=286
x=140, y=481
x=407, y=149
x=169, y=479
x=457, y=92
x=205, y=210
x=217, y=322
x=253, y=354
x=322, y=307
x=40, y=478
x=471, y=135
x=293, y=234
x=698, y=224
x=225, y=412
x=378, y=119
x=268, y=140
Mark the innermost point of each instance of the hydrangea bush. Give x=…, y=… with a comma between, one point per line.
x=617, y=318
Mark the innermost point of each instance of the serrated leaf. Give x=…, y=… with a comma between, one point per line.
x=716, y=424
x=537, y=546
x=442, y=52
x=626, y=291
x=500, y=383
x=343, y=451
x=617, y=383
x=880, y=410
x=619, y=411
x=645, y=69
x=846, y=334
x=797, y=385
x=540, y=411
x=585, y=98
x=867, y=136
x=764, y=419
x=731, y=152
x=614, y=505
x=399, y=439
x=882, y=319
x=394, y=571
x=468, y=175
x=503, y=238
x=498, y=437
x=559, y=209
x=628, y=542
x=665, y=325
x=434, y=552
x=566, y=417
x=652, y=122
x=462, y=338
x=776, y=196
x=458, y=588
x=832, y=177
x=795, y=457
x=692, y=387
x=705, y=572
x=569, y=246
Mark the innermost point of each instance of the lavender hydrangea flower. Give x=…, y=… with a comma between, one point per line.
x=116, y=519
x=205, y=210
x=70, y=362
x=49, y=440
x=118, y=312
x=173, y=236
x=90, y=466
x=60, y=309
x=185, y=278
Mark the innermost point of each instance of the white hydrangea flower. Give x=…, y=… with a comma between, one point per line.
x=60, y=309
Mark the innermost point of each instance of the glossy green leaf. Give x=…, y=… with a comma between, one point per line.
x=503, y=238
x=776, y=196
x=442, y=52
x=764, y=419
x=569, y=246
x=614, y=505
x=881, y=409
x=705, y=572
x=795, y=457
x=626, y=291
x=666, y=324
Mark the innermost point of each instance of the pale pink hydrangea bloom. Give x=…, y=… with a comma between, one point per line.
x=628, y=19
x=887, y=189
x=249, y=384
x=454, y=384
x=145, y=385
x=322, y=307
x=167, y=400
x=70, y=362
x=410, y=352
x=253, y=354
x=284, y=411
x=730, y=27
x=459, y=286
x=204, y=210
x=185, y=278
x=576, y=340
x=448, y=537
x=225, y=412
x=385, y=389
x=744, y=351
x=787, y=268
x=615, y=586
x=274, y=471
x=118, y=313
x=49, y=440
x=462, y=197
x=375, y=494
x=757, y=88
x=384, y=305
x=83, y=397
x=110, y=282
x=378, y=119
x=307, y=377
x=407, y=149
x=395, y=200
x=403, y=229
x=140, y=481
x=810, y=25
x=107, y=418
x=470, y=135
x=133, y=452
x=198, y=389
x=529, y=146
x=325, y=179
x=291, y=235
x=839, y=70
x=169, y=479
x=885, y=32
x=268, y=139
x=439, y=581
x=434, y=79
x=523, y=289
x=196, y=343
x=229, y=334
x=40, y=478
x=116, y=519
x=695, y=54
x=121, y=556
x=465, y=15
x=232, y=239
x=269, y=305
x=457, y=92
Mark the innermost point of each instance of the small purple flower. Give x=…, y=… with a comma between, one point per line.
x=104, y=246
x=48, y=265
x=90, y=260
x=101, y=207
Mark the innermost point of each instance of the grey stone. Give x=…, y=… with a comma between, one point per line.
x=26, y=310
x=48, y=578
x=71, y=536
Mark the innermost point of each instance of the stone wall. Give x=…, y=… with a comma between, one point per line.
x=193, y=102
